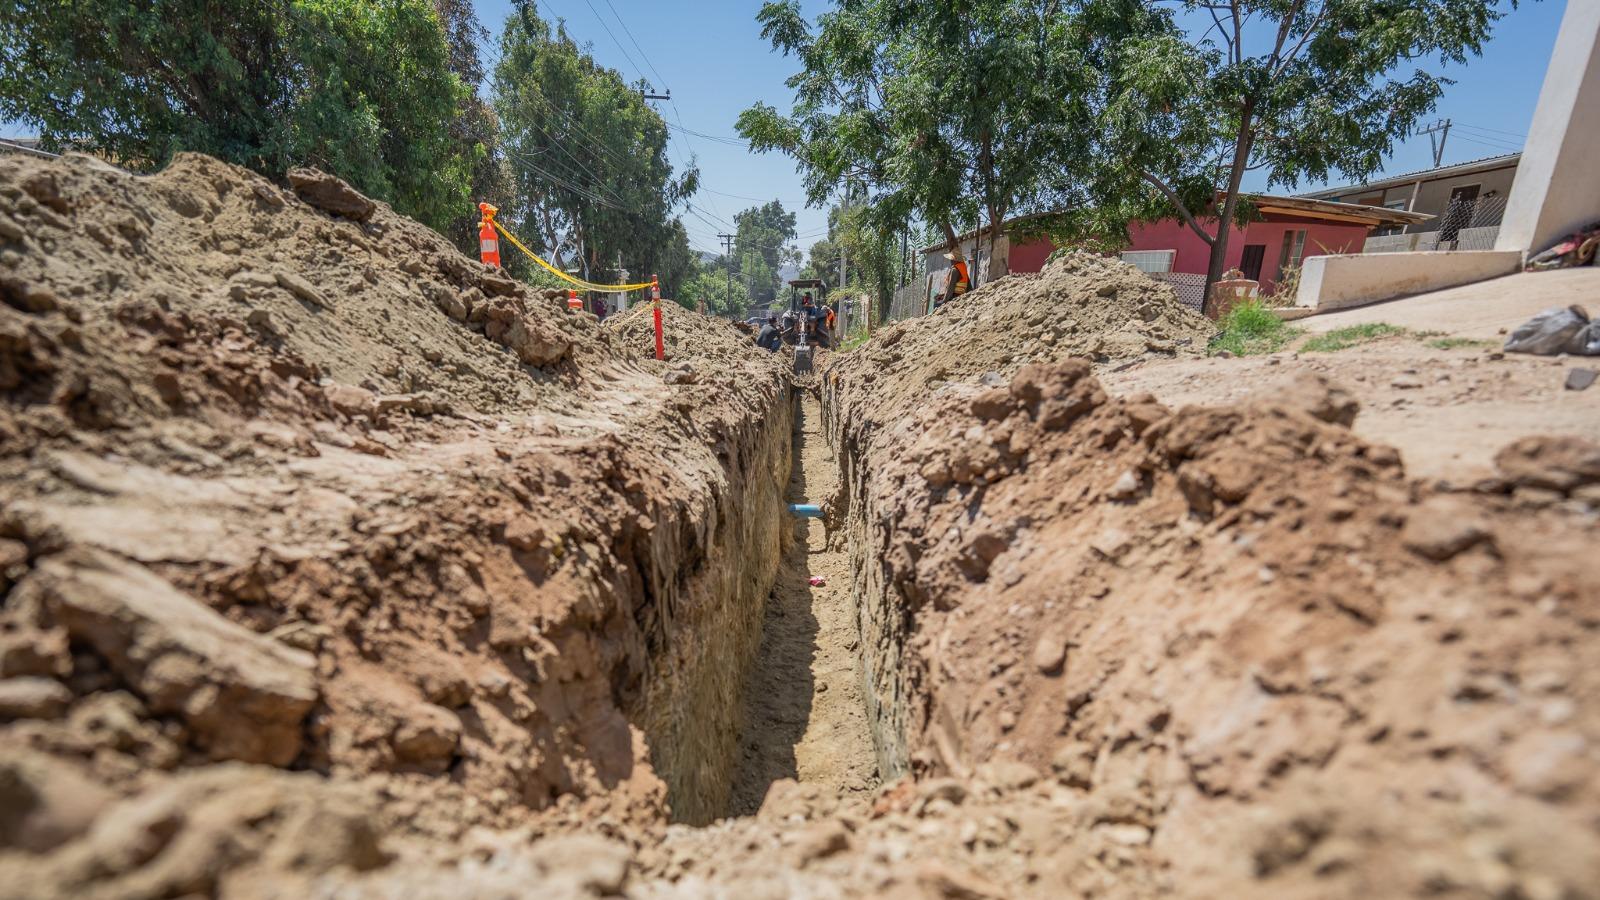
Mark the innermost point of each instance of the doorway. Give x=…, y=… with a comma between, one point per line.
x=1250, y=262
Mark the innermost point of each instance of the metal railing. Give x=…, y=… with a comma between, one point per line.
x=1465, y=225
x=22, y=150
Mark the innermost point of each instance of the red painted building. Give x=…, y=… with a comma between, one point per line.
x=1287, y=230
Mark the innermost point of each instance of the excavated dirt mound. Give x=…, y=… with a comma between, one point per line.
x=338, y=565
x=1259, y=660
x=288, y=482
x=686, y=335
x=1081, y=305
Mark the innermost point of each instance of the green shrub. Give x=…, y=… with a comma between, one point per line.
x=1250, y=328
x=1457, y=343
x=1345, y=338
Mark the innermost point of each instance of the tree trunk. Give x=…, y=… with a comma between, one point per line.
x=999, y=265
x=1230, y=201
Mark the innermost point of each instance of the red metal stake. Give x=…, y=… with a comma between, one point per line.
x=655, y=313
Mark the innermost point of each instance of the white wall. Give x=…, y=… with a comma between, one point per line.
x=1557, y=189
x=1335, y=282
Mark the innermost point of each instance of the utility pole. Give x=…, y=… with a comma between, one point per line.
x=622, y=298
x=727, y=257
x=644, y=93
x=1442, y=127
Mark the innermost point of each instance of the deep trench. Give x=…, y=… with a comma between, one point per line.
x=805, y=715
x=760, y=674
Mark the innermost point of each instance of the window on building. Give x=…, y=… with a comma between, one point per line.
x=1151, y=261
x=1294, y=247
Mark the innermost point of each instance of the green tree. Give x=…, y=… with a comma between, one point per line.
x=1298, y=88
x=358, y=87
x=588, y=155
x=711, y=287
x=761, y=247
x=379, y=101
x=822, y=260
x=474, y=130
x=958, y=112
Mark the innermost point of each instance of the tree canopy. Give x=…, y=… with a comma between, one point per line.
x=1300, y=89
x=761, y=247
x=587, y=154
x=361, y=89
x=960, y=114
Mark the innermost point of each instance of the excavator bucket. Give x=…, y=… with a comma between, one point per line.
x=802, y=360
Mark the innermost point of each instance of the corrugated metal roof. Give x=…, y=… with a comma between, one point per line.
x=1460, y=168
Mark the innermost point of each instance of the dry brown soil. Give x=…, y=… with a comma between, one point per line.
x=336, y=564
x=805, y=717
x=1447, y=411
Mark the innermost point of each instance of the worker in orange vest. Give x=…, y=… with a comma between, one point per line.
x=957, y=279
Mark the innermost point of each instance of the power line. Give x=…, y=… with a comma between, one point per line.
x=729, y=141
x=572, y=125
x=696, y=213
x=1522, y=137
x=755, y=199
x=1501, y=147
x=565, y=181
x=642, y=55
x=606, y=154
x=613, y=37
x=725, y=222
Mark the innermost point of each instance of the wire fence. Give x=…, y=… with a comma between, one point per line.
x=1465, y=225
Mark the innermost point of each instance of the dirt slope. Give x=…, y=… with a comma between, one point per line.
x=336, y=565
x=289, y=481
x=1264, y=661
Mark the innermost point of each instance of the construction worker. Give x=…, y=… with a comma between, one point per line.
x=770, y=339
x=813, y=317
x=957, y=280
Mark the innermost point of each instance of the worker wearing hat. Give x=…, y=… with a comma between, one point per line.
x=957, y=279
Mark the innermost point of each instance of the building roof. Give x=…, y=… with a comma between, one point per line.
x=1483, y=164
x=1370, y=216
x=23, y=145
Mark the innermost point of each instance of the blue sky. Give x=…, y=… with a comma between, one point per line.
x=711, y=55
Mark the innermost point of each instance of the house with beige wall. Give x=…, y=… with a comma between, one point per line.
x=1466, y=202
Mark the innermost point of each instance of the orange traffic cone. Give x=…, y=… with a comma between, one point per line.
x=573, y=303
x=655, y=314
x=488, y=240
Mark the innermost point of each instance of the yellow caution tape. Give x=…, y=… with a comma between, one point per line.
x=586, y=285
